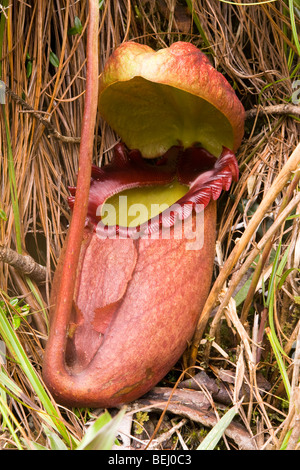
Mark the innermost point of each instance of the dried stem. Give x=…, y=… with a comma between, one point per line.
x=281, y=180
x=286, y=108
x=38, y=115
x=250, y=259
x=265, y=254
x=252, y=46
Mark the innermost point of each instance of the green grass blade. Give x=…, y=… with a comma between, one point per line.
x=13, y=184
x=36, y=446
x=273, y=274
x=293, y=25
x=286, y=440
x=15, y=206
x=101, y=435
x=242, y=293
x=38, y=298
x=198, y=25
x=56, y=443
x=2, y=28
x=12, y=175
x=285, y=275
x=9, y=387
x=213, y=437
x=8, y=417
x=279, y=361
x=272, y=287
x=10, y=338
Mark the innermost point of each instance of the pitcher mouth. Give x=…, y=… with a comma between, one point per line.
x=203, y=175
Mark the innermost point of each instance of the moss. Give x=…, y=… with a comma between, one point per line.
x=140, y=419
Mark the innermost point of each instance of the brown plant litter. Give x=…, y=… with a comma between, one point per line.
x=253, y=44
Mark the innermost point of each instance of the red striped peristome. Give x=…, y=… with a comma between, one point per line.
x=205, y=175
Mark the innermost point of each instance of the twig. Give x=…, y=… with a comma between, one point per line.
x=286, y=108
x=158, y=441
x=53, y=132
x=217, y=389
x=195, y=406
x=23, y=263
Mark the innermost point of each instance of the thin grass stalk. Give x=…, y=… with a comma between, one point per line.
x=8, y=416
x=286, y=429
x=270, y=302
x=265, y=254
x=285, y=441
x=15, y=392
x=274, y=343
x=13, y=185
x=15, y=347
x=293, y=25
x=62, y=55
x=16, y=212
x=294, y=438
x=253, y=45
x=246, y=265
x=281, y=180
x=291, y=434
x=2, y=28
x=199, y=26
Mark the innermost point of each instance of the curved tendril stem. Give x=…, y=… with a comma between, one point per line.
x=57, y=340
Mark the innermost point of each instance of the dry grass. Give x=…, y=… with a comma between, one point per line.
x=253, y=46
